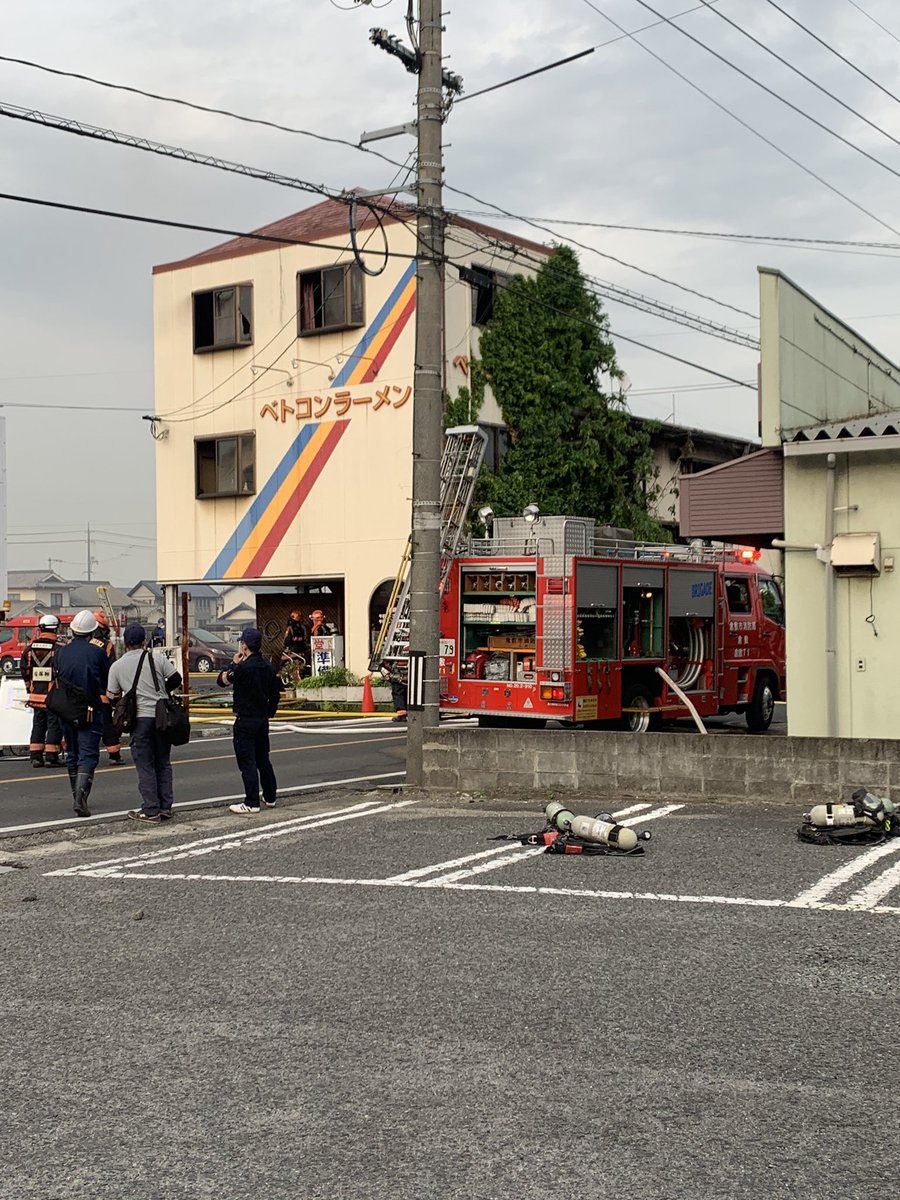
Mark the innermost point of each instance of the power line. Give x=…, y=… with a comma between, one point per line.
x=771, y=91
x=114, y=408
x=860, y=8
x=832, y=50
x=745, y=124
x=824, y=90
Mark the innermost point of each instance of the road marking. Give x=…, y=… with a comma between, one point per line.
x=418, y=872
x=651, y=816
x=190, y=804
x=830, y=883
x=207, y=758
x=231, y=841
x=510, y=889
x=868, y=896
x=516, y=856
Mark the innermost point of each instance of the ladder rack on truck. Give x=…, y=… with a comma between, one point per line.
x=461, y=461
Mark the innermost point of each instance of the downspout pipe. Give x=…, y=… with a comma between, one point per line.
x=831, y=710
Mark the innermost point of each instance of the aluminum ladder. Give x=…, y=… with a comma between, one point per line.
x=461, y=460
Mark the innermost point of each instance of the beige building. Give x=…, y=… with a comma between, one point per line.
x=826, y=486
x=283, y=424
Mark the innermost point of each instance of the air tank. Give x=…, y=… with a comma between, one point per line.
x=829, y=816
x=590, y=829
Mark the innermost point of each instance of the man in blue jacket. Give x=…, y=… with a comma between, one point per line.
x=87, y=667
x=255, y=699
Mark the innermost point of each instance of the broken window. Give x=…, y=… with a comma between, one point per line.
x=223, y=318
x=330, y=298
x=225, y=466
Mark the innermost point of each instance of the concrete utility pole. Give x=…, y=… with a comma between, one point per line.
x=425, y=570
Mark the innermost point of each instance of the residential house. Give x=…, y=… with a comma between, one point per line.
x=826, y=485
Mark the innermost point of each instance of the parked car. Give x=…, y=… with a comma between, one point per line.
x=207, y=652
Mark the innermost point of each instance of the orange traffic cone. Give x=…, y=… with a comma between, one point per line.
x=368, y=700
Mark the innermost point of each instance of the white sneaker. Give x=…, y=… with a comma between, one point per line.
x=242, y=809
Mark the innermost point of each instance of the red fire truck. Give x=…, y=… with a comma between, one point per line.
x=559, y=620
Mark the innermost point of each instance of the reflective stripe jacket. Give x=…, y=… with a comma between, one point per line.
x=39, y=667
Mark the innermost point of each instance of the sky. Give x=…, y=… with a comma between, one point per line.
x=614, y=138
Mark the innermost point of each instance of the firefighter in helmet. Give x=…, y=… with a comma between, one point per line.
x=103, y=638
x=39, y=671
x=296, y=637
x=319, y=627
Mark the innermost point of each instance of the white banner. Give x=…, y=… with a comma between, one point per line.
x=15, y=715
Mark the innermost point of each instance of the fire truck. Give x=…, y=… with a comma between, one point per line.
x=557, y=618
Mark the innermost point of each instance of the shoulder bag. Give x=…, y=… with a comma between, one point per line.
x=125, y=708
x=70, y=703
x=172, y=721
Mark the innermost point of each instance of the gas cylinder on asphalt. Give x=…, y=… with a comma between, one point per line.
x=828, y=816
x=592, y=829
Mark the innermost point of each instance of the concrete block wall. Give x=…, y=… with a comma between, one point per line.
x=659, y=766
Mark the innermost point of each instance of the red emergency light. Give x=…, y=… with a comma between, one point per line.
x=749, y=555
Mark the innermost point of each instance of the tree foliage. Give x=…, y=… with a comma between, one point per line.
x=574, y=448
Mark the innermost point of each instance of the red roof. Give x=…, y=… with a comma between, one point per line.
x=329, y=220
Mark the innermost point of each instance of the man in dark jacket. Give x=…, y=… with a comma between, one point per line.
x=87, y=667
x=255, y=699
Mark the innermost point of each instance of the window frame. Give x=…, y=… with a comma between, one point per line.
x=484, y=295
x=354, y=279
x=245, y=446
x=243, y=291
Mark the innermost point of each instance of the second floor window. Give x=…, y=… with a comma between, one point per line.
x=223, y=318
x=225, y=466
x=329, y=299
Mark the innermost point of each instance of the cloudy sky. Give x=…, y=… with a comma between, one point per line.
x=615, y=138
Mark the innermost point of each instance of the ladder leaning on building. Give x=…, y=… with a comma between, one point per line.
x=461, y=461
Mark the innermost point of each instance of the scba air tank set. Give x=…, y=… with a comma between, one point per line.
x=867, y=819
x=566, y=833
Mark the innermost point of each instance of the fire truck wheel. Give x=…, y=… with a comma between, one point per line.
x=761, y=709
x=638, y=696
x=7, y=665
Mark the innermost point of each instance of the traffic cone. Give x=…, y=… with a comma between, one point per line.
x=368, y=700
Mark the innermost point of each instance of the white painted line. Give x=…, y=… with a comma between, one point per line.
x=418, y=872
x=830, y=883
x=868, y=896
x=651, y=816
x=190, y=804
x=523, y=852
x=150, y=856
x=509, y=889
x=632, y=808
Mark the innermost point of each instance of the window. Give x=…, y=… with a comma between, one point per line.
x=226, y=466
x=773, y=605
x=738, y=594
x=485, y=285
x=56, y=599
x=330, y=298
x=223, y=318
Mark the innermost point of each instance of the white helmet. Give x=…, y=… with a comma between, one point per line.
x=83, y=623
x=48, y=621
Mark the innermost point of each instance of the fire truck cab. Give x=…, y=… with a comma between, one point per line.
x=560, y=620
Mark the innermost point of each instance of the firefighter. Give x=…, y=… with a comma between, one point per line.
x=296, y=642
x=86, y=666
x=319, y=627
x=103, y=639
x=39, y=670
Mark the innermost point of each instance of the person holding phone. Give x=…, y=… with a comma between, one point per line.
x=255, y=696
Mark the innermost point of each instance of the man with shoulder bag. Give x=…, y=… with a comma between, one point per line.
x=138, y=682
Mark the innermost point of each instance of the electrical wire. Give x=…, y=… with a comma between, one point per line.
x=784, y=12
x=771, y=91
x=824, y=90
x=745, y=124
x=860, y=8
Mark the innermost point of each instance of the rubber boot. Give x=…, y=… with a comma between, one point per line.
x=51, y=760
x=37, y=758
x=83, y=783
x=73, y=779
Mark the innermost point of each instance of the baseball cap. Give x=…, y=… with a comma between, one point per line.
x=252, y=639
x=133, y=635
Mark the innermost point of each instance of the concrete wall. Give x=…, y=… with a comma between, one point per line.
x=667, y=766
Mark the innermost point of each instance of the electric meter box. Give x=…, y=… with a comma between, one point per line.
x=856, y=554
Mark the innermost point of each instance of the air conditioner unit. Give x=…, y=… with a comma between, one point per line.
x=856, y=554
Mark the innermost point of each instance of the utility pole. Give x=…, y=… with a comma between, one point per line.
x=425, y=568
x=428, y=393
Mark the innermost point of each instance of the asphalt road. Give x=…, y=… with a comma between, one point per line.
x=304, y=755
x=364, y=996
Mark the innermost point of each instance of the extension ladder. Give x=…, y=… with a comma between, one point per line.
x=461, y=461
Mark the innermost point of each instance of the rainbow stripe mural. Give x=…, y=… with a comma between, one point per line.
x=375, y=345
x=249, y=550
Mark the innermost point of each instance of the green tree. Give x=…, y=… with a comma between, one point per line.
x=574, y=450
